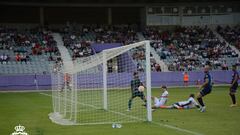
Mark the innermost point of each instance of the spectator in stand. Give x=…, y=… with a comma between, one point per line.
x=18, y=57
x=139, y=67
x=224, y=66
x=50, y=58
x=23, y=58
x=59, y=60
x=110, y=66
x=28, y=57
x=4, y=58
x=157, y=68
x=1, y=58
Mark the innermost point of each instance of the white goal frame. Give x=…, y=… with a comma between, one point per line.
x=100, y=58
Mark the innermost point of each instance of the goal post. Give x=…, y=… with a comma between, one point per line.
x=101, y=87
x=148, y=81
x=104, y=81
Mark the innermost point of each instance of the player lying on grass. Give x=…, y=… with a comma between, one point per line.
x=135, y=83
x=162, y=100
x=189, y=104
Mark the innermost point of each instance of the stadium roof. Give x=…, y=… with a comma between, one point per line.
x=114, y=1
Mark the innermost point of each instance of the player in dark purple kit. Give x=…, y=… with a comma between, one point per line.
x=234, y=86
x=205, y=88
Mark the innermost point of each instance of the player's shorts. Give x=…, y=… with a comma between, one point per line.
x=188, y=107
x=185, y=107
x=233, y=89
x=138, y=94
x=159, y=102
x=205, y=91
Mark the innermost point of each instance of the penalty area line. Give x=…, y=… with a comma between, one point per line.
x=136, y=118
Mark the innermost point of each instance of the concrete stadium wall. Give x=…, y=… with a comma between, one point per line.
x=198, y=20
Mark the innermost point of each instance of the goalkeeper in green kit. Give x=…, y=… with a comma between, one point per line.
x=135, y=83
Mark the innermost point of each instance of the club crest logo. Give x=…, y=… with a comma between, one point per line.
x=19, y=130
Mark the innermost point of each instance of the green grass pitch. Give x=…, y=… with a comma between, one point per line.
x=32, y=109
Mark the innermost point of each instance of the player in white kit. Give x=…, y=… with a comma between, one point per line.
x=162, y=100
x=189, y=104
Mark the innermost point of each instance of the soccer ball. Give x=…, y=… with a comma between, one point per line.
x=141, y=88
x=115, y=125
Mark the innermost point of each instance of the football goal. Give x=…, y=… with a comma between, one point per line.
x=104, y=88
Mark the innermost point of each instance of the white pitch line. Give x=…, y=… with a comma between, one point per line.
x=177, y=128
x=156, y=123
x=46, y=94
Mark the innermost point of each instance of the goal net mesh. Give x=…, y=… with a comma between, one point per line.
x=97, y=89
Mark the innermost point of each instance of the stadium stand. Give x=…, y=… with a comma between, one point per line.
x=78, y=40
x=230, y=34
x=181, y=49
x=188, y=48
x=26, y=50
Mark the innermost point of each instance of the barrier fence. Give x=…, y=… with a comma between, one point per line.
x=43, y=82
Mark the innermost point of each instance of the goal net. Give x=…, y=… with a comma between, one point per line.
x=103, y=88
